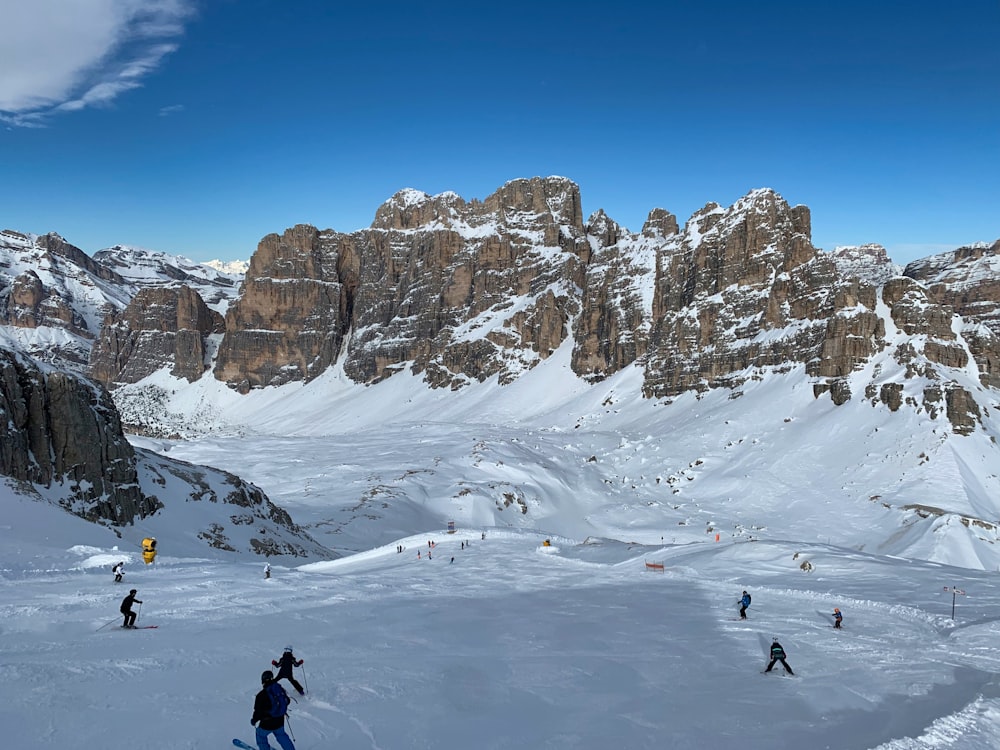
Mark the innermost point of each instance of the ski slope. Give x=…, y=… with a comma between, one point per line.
x=512, y=645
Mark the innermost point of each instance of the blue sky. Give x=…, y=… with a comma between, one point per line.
x=196, y=127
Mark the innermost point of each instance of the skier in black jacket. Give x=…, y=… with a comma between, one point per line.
x=262, y=718
x=126, y=609
x=285, y=664
x=778, y=654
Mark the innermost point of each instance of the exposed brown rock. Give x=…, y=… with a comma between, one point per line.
x=161, y=326
x=62, y=429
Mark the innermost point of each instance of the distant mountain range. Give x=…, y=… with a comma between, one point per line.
x=462, y=292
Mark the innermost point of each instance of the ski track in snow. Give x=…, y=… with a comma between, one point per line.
x=512, y=645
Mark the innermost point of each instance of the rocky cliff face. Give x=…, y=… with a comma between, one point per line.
x=463, y=291
x=160, y=327
x=63, y=441
x=63, y=430
x=458, y=291
x=967, y=281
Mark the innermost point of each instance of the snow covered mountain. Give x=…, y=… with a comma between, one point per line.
x=594, y=439
x=54, y=298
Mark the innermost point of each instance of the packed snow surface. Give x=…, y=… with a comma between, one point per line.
x=490, y=639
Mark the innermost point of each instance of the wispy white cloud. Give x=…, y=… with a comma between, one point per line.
x=171, y=110
x=60, y=56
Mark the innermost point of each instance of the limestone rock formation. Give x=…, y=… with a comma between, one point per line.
x=457, y=291
x=462, y=291
x=63, y=430
x=160, y=327
x=63, y=442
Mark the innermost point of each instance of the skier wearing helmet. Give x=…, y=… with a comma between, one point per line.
x=837, y=618
x=269, y=710
x=285, y=664
x=778, y=654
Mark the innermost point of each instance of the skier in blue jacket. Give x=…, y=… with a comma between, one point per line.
x=744, y=603
x=837, y=618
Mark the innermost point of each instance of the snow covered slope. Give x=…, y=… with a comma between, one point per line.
x=499, y=642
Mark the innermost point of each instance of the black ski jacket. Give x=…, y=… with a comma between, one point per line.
x=262, y=712
x=285, y=664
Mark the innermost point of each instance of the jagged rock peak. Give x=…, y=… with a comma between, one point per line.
x=558, y=197
x=869, y=263
x=968, y=259
x=660, y=224
x=517, y=203
x=604, y=228
x=413, y=209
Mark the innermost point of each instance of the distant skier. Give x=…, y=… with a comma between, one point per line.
x=269, y=710
x=778, y=654
x=744, y=603
x=126, y=609
x=837, y=618
x=267, y=570
x=119, y=571
x=285, y=664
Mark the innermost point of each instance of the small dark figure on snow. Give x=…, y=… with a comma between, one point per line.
x=126, y=609
x=837, y=618
x=285, y=664
x=744, y=603
x=271, y=699
x=778, y=654
x=119, y=571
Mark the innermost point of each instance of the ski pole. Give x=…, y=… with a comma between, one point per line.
x=105, y=625
x=139, y=612
x=305, y=679
x=288, y=723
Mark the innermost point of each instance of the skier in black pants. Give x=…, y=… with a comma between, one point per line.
x=285, y=664
x=778, y=654
x=744, y=603
x=126, y=609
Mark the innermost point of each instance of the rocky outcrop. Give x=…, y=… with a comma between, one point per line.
x=63, y=442
x=462, y=291
x=160, y=327
x=613, y=328
x=63, y=430
x=454, y=290
x=967, y=281
x=737, y=291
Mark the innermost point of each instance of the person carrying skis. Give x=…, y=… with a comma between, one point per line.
x=126, y=609
x=778, y=654
x=744, y=603
x=837, y=618
x=285, y=664
x=269, y=710
x=119, y=571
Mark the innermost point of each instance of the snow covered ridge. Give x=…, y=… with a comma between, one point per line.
x=54, y=298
